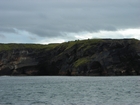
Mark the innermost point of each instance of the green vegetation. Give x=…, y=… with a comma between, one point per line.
x=70, y=44
x=86, y=44
x=50, y=46
x=135, y=41
x=81, y=43
x=81, y=61
x=11, y=46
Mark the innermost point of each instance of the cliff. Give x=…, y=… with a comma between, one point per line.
x=92, y=57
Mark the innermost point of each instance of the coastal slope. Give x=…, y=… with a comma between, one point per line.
x=91, y=57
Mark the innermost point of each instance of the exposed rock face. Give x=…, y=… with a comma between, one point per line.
x=96, y=57
x=12, y=62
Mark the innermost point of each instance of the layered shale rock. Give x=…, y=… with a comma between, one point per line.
x=92, y=57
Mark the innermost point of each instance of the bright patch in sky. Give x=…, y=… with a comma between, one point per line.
x=119, y=34
x=53, y=40
x=18, y=36
x=130, y=33
x=22, y=36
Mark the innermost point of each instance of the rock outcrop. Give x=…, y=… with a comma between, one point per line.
x=92, y=57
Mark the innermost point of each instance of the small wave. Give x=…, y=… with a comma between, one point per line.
x=38, y=103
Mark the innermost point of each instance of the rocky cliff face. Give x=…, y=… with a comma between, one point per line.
x=93, y=57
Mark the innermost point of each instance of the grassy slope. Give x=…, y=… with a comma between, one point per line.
x=6, y=47
x=83, y=45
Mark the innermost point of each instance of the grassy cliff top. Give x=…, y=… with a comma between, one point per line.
x=11, y=46
x=86, y=44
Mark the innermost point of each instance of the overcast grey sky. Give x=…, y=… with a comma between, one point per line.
x=50, y=21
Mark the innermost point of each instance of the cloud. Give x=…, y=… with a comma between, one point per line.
x=23, y=36
x=2, y=36
x=118, y=34
x=50, y=19
x=18, y=36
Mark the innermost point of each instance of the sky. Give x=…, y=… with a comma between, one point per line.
x=56, y=21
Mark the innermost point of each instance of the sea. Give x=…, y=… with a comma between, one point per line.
x=68, y=90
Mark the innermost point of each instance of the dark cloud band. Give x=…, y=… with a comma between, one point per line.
x=51, y=18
